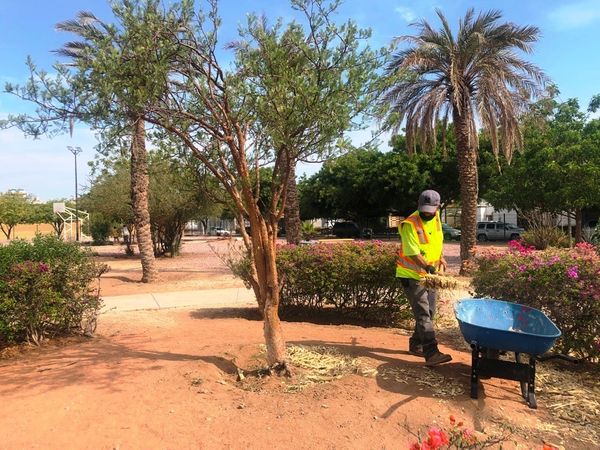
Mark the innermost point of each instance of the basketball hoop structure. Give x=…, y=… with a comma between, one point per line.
x=68, y=217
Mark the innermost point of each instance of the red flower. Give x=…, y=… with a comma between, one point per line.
x=436, y=438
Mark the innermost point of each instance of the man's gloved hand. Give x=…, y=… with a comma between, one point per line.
x=430, y=269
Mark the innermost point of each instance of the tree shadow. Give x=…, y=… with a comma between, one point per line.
x=98, y=360
x=392, y=362
x=227, y=313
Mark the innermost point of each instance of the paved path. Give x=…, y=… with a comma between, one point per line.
x=202, y=298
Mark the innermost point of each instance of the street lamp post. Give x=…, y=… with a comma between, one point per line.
x=76, y=151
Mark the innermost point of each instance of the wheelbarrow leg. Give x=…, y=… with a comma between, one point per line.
x=531, y=401
x=528, y=387
x=474, y=370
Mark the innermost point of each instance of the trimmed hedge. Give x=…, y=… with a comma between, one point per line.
x=565, y=284
x=354, y=279
x=45, y=290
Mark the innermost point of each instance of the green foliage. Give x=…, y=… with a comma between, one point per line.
x=543, y=237
x=15, y=207
x=179, y=191
x=357, y=279
x=304, y=85
x=45, y=290
x=562, y=283
x=309, y=231
x=101, y=228
x=560, y=166
x=385, y=182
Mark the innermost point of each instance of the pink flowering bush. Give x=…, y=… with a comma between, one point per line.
x=45, y=290
x=564, y=283
x=356, y=279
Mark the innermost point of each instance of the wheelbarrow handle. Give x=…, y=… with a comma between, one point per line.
x=548, y=356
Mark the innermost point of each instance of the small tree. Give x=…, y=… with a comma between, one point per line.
x=207, y=108
x=305, y=87
x=15, y=207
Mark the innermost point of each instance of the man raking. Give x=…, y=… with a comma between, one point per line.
x=421, y=253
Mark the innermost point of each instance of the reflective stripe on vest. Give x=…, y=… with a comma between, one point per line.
x=418, y=227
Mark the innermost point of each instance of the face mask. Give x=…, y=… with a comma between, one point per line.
x=426, y=218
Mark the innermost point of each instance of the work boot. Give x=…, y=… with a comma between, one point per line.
x=416, y=350
x=437, y=358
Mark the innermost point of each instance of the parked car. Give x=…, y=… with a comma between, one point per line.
x=345, y=230
x=218, y=231
x=498, y=231
x=450, y=233
x=366, y=233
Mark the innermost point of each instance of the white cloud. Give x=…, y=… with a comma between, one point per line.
x=406, y=13
x=575, y=15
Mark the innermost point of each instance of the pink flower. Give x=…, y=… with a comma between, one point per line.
x=572, y=272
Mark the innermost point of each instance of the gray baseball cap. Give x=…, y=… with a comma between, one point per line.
x=429, y=201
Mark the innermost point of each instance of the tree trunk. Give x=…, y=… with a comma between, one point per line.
x=469, y=186
x=139, y=201
x=6, y=230
x=293, y=225
x=267, y=291
x=578, y=225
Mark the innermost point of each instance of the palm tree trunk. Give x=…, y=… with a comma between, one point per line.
x=469, y=186
x=292, y=209
x=139, y=200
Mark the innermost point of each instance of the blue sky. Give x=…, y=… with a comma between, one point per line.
x=569, y=52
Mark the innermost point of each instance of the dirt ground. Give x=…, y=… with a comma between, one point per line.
x=169, y=379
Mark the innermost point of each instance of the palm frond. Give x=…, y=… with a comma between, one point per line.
x=475, y=75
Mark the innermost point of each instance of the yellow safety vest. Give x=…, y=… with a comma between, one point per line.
x=431, y=241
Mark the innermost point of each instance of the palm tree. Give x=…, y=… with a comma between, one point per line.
x=474, y=79
x=118, y=67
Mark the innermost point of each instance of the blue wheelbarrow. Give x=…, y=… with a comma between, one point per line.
x=492, y=327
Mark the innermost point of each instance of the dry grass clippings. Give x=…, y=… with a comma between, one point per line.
x=573, y=398
x=439, y=385
x=443, y=282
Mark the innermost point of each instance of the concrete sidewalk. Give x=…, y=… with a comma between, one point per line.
x=202, y=298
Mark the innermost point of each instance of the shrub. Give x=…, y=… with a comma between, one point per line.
x=45, y=290
x=100, y=228
x=356, y=279
x=544, y=237
x=565, y=284
x=309, y=231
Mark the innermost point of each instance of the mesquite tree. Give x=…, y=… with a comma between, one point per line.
x=305, y=85
x=216, y=115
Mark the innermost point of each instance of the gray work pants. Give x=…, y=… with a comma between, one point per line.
x=422, y=301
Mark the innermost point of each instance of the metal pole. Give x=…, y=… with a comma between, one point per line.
x=76, y=151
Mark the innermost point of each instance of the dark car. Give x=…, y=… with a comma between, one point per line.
x=498, y=231
x=345, y=230
x=450, y=233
